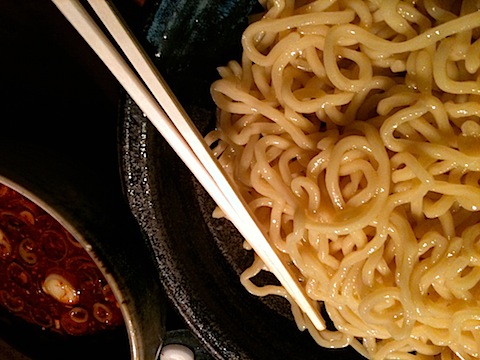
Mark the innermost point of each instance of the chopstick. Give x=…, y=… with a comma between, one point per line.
x=155, y=99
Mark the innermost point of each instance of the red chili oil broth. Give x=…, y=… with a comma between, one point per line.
x=46, y=277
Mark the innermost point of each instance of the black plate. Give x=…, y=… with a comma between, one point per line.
x=199, y=258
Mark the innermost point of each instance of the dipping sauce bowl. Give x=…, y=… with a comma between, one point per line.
x=66, y=288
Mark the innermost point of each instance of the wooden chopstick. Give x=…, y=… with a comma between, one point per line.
x=170, y=119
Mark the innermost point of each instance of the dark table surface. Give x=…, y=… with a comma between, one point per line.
x=55, y=92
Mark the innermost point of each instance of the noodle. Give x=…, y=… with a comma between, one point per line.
x=352, y=129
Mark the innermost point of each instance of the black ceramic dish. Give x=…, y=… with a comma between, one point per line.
x=199, y=259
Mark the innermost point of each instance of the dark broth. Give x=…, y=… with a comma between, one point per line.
x=46, y=277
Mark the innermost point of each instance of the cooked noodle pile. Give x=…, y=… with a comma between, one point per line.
x=352, y=129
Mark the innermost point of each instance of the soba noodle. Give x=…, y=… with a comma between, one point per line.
x=352, y=128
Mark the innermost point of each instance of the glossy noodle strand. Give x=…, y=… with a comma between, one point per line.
x=352, y=129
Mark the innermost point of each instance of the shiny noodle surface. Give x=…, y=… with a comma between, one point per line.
x=352, y=129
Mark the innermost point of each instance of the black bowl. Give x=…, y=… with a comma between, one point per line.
x=103, y=224
x=199, y=259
